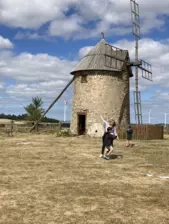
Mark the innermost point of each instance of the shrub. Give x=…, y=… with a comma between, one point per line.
x=64, y=133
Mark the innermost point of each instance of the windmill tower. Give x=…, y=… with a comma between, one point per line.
x=101, y=87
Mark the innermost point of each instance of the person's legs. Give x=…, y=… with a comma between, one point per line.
x=129, y=140
x=105, y=153
x=131, y=143
x=103, y=147
x=102, y=151
x=127, y=143
x=110, y=150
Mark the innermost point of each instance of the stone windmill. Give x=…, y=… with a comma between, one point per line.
x=101, y=87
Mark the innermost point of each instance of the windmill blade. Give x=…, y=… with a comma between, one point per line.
x=52, y=104
x=135, y=17
x=109, y=62
x=146, y=70
x=115, y=57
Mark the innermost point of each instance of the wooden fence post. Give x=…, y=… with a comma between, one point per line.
x=60, y=126
x=10, y=133
x=36, y=126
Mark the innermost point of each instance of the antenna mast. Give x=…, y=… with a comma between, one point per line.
x=149, y=115
x=165, y=120
x=136, y=33
x=65, y=110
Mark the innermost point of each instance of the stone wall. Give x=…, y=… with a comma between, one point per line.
x=104, y=93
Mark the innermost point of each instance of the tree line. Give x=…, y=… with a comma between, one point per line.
x=33, y=112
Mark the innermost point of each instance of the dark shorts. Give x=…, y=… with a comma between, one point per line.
x=129, y=138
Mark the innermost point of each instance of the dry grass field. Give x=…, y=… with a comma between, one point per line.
x=52, y=180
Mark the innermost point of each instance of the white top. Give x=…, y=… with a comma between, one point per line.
x=107, y=125
x=114, y=131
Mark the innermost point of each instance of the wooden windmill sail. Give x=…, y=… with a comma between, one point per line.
x=114, y=59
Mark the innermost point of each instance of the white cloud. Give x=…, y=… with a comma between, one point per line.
x=32, y=75
x=66, y=26
x=48, y=89
x=110, y=16
x=148, y=48
x=29, y=14
x=5, y=43
x=30, y=35
x=160, y=95
x=35, y=68
x=84, y=50
x=155, y=53
x=1, y=86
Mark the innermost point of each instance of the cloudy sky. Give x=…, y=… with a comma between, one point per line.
x=42, y=41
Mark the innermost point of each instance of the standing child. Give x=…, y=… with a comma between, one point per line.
x=129, y=136
x=107, y=143
x=113, y=132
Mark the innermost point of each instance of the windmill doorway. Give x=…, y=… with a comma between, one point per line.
x=81, y=124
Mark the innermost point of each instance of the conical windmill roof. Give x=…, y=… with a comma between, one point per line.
x=101, y=58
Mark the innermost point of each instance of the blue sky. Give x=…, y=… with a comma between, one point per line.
x=41, y=42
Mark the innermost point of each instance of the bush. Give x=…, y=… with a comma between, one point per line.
x=64, y=133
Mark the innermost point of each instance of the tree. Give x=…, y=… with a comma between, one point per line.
x=34, y=110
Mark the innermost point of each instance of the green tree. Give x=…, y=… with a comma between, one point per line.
x=34, y=110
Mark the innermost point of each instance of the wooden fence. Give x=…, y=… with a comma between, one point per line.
x=142, y=132
x=42, y=127
x=10, y=127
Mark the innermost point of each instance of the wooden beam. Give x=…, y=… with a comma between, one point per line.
x=52, y=104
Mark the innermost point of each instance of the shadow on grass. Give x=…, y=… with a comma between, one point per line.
x=131, y=145
x=115, y=156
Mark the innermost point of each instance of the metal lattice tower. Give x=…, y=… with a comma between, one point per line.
x=144, y=66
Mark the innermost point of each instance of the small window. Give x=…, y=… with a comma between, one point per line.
x=84, y=79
